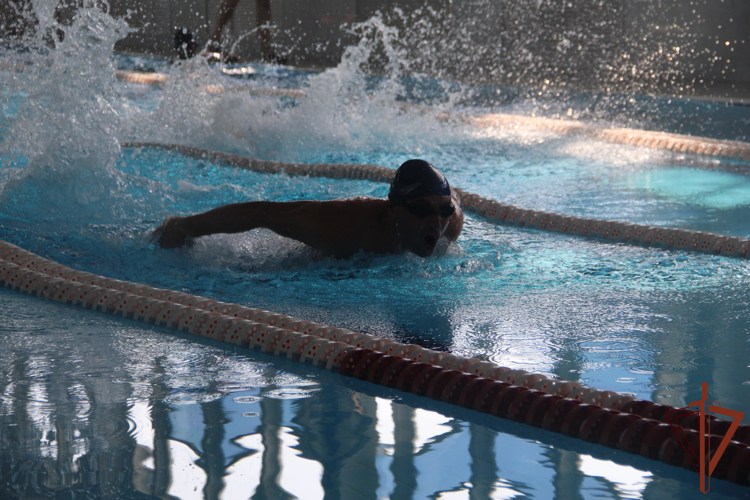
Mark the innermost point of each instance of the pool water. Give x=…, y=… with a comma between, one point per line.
x=100, y=407
x=94, y=407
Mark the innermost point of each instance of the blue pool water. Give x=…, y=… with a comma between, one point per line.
x=94, y=407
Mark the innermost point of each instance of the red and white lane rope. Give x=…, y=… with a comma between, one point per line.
x=493, y=210
x=615, y=420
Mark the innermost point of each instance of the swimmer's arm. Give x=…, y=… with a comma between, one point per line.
x=456, y=221
x=310, y=222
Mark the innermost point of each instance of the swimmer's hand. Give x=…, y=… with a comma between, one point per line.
x=172, y=233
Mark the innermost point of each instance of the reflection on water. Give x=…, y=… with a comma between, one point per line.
x=97, y=408
x=629, y=482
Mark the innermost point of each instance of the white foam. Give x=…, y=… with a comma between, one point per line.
x=65, y=125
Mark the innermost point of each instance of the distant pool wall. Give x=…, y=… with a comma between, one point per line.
x=697, y=47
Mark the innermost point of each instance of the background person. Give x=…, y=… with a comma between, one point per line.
x=262, y=24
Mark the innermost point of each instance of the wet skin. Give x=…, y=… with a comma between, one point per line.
x=338, y=228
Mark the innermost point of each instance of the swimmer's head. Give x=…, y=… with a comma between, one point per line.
x=415, y=179
x=422, y=205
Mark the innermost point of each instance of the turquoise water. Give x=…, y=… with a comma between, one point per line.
x=643, y=321
x=94, y=407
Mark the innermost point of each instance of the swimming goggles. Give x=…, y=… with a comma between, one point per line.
x=423, y=210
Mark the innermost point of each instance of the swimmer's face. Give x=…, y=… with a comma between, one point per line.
x=422, y=221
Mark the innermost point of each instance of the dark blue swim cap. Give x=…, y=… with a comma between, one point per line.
x=417, y=178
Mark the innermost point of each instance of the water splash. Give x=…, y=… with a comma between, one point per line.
x=345, y=108
x=66, y=115
x=58, y=101
x=449, y=58
x=592, y=45
x=538, y=58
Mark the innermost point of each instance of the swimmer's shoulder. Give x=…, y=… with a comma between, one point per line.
x=361, y=202
x=366, y=211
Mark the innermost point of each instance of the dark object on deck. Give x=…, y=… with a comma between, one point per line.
x=184, y=42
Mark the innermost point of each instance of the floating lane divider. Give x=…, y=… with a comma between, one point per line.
x=493, y=210
x=613, y=231
x=605, y=417
x=160, y=80
x=142, y=77
x=677, y=143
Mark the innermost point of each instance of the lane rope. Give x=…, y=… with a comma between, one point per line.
x=605, y=417
x=493, y=210
x=160, y=80
x=676, y=143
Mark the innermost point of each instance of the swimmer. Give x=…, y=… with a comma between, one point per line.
x=420, y=208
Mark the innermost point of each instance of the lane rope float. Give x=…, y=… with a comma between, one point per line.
x=677, y=143
x=160, y=80
x=665, y=141
x=493, y=210
x=605, y=417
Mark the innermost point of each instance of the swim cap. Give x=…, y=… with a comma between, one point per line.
x=417, y=178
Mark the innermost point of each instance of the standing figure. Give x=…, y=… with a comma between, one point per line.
x=262, y=24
